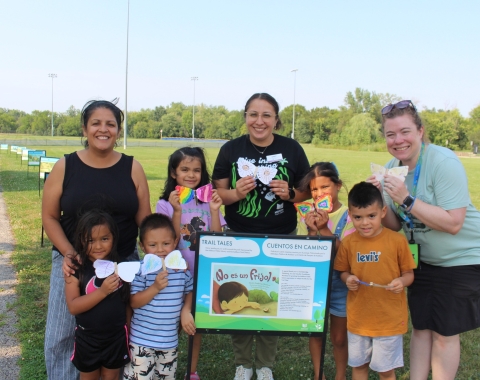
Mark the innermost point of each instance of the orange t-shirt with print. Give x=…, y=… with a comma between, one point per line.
x=374, y=311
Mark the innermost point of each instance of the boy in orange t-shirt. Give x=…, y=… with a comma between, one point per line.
x=376, y=265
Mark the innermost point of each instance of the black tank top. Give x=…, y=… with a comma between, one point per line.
x=113, y=187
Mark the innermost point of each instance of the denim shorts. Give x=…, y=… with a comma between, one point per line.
x=338, y=296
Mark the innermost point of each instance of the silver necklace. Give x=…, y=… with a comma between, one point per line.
x=254, y=147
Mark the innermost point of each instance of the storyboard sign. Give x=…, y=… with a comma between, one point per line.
x=273, y=284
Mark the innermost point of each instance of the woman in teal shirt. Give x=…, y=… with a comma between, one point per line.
x=433, y=207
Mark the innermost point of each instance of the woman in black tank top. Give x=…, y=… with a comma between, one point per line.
x=96, y=176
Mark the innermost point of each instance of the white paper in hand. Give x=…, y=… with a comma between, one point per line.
x=379, y=172
x=175, y=260
x=126, y=270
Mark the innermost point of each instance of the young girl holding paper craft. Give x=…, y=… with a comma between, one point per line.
x=99, y=305
x=323, y=179
x=189, y=199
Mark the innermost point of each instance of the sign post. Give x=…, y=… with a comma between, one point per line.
x=34, y=158
x=45, y=167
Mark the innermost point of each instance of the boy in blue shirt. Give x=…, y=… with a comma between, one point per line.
x=159, y=300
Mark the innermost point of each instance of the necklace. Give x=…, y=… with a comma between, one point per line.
x=259, y=151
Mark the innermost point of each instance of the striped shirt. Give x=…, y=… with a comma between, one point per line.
x=155, y=325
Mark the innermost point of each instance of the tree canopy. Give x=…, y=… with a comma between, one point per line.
x=357, y=122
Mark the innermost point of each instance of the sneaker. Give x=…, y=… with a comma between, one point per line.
x=193, y=376
x=243, y=373
x=264, y=373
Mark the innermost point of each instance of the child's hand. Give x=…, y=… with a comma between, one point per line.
x=311, y=222
x=216, y=202
x=161, y=281
x=188, y=323
x=174, y=200
x=110, y=284
x=244, y=186
x=322, y=219
x=317, y=221
x=352, y=282
x=396, y=286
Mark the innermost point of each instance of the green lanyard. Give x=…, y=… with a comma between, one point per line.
x=403, y=215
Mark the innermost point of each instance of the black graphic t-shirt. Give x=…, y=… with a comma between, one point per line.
x=261, y=211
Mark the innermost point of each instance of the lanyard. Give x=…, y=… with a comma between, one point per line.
x=408, y=218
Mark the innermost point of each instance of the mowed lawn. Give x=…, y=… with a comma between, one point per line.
x=32, y=263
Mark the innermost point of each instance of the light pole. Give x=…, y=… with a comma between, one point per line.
x=193, y=120
x=52, y=76
x=294, y=84
x=126, y=82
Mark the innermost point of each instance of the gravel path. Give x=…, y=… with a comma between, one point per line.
x=9, y=346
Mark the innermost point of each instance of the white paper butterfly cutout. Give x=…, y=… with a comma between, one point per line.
x=379, y=171
x=264, y=173
x=246, y=168
x=126, y=270
x=152, y=263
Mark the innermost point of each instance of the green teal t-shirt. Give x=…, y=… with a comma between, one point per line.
x=443, y=182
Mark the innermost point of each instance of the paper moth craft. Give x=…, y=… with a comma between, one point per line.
x=126, y=270
x=264, y=173
x=203, y=193
x=246, y=168
x=153, y=263
x=379, y=171
x=175, y=260
x=322, y=202
x=304, y=208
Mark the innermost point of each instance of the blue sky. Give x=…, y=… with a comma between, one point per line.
x=422, y=50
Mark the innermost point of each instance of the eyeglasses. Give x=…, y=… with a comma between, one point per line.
x=254, y=115
x=402, y=104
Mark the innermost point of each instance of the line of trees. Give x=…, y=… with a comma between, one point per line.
x=357, y=122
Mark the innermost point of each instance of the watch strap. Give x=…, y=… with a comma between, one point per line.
x=291, y=193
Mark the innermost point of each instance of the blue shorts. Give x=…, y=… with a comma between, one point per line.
x=338, y=296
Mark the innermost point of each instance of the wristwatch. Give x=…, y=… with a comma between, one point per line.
x=291, y=194
x=407, y=202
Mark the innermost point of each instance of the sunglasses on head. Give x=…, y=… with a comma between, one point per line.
x=400, y=105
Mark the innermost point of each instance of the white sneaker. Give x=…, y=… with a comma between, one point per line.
x=243, y=373
x=264, y=373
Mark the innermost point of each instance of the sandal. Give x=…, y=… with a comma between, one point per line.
x=193, y=376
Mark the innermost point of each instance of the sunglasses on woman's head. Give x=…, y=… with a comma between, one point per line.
x=400, y=105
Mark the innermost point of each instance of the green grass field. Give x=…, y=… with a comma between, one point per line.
x=32, y=263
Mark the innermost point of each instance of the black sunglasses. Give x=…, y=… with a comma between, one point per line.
x=400, y=105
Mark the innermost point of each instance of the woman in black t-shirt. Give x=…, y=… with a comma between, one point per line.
x=256, y=176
